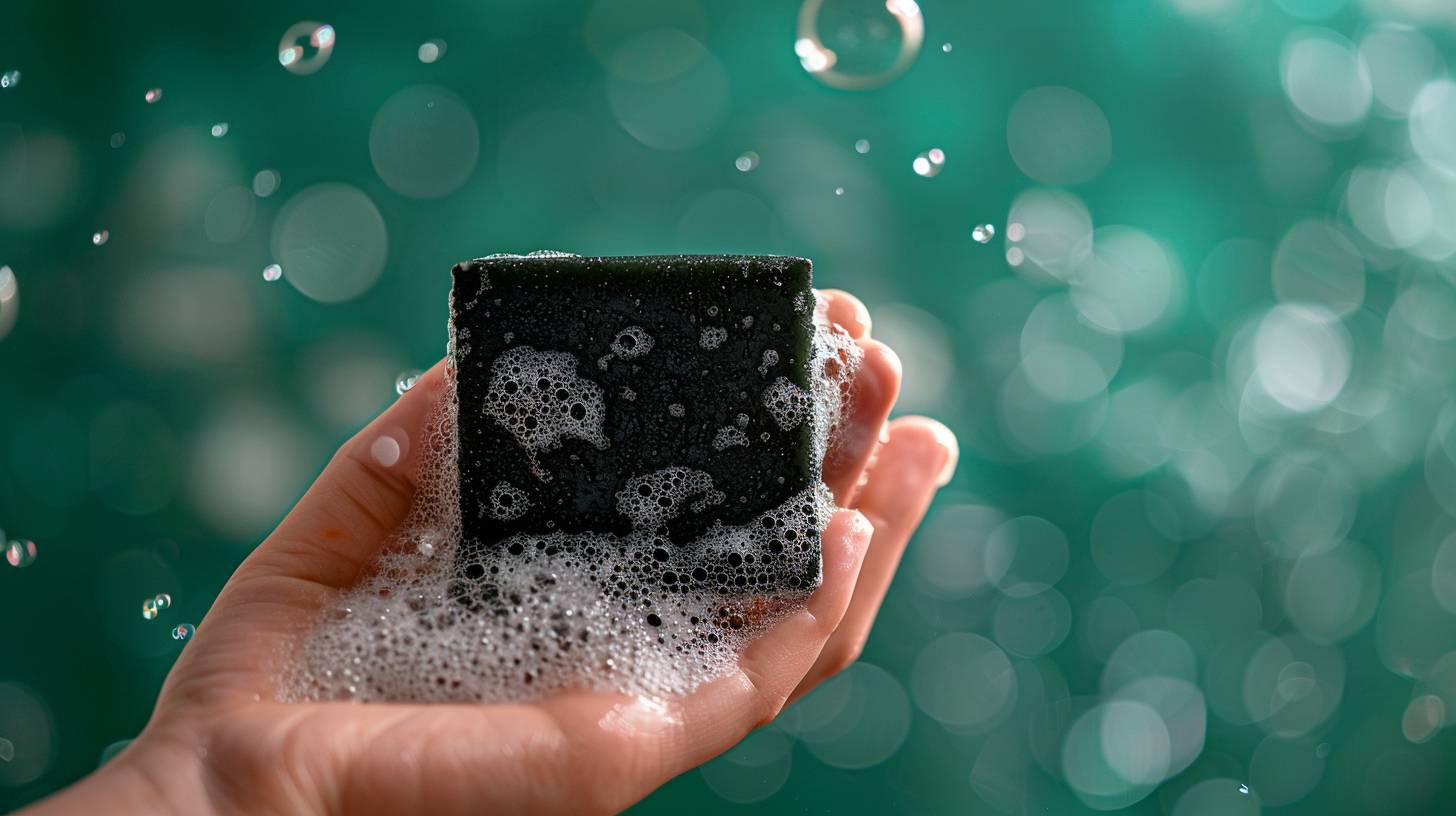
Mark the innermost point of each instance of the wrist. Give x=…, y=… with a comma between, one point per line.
x=151, y=776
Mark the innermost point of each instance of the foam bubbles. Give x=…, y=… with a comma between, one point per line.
x=645, y=611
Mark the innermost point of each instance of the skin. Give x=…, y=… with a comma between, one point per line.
x=217, y=741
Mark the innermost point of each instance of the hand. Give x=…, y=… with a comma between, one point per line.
x=219, y=742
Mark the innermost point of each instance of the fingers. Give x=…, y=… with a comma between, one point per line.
x=362, y=495
x=919, y=457
x=845, y=309
x=872, y=395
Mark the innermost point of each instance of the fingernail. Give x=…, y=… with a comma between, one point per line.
x=862, y=314
x=946, y=440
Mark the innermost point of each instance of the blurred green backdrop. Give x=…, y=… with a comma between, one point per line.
x=1198, y=558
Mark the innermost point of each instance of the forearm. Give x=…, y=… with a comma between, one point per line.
x=139, y=781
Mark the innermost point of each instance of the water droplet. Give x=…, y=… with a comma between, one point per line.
x=854, y=45
x=983, y=233
x=20, y=553
x=10, y=79
x=406, y=380
x=1244, y=789
x=219, y=130
x=149, y=608
x=431, y=51
x=929, y=163
x=118, y=139
x=306, y=46
x=839, y=191
x=272, y=272
x=162, y=600
x=746, y=162
x=153, y=96
x=862, y=146
x=946, y=48
x=183, y=631
x=100, y=237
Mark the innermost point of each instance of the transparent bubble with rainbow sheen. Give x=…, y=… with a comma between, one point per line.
x=306, y=46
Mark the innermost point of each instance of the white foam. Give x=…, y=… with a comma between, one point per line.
x=548, y=611
x=712, y=337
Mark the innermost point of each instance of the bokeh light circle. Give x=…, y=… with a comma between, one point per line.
x=331, y=241
x=963, y=680
x=424, y=142
x=1326, y=78
x=753, y=770
x=1130, y=283
x=871, y=720
x=1058, y=136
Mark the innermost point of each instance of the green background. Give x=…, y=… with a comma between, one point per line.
x=1199, y=534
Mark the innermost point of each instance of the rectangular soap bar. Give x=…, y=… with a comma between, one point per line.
x=657, y=398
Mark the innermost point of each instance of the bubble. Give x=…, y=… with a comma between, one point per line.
x=870, y=724
x=331, y=242
x=1325, y=78
x=929, y=164
x=862, y=146
x=1055, y=233
x=1058, y=136
x=964, y=681
x=1180, y=706
x=265, y=183
x=858, y=44
x=1433, y=125
x=406, y=380
x=20, y=553
x=305, y=47
x=149, y=608
x=424, y=142
x=945, y=48
x=100, y=237
x=983, y=233
x=839, y=191
x=1302, y=357
x=753, y=770
x=746, y=161
x=1130, y=283
x=10, y=79
x=431, y=50
x=153, y=95
x=712, y=337
x=162, y=600
x=1424, y=716
x=540, y=399
x=10, y=306
x=219, y=130
x=1315, y=263
x=183, y=631
x=272, y=272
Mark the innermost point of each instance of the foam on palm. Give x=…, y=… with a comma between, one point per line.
x=549, y=611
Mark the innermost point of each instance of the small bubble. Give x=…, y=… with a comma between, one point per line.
x=746, y=162
x=149, y=609
x=431, y=51
x=862, y=146
x=839, y=191
x=183, y=631
x=20, y=553
x=983, y=233
x=153, y=96
x=306, y=46
x=929, y=163
x=1015, y=256
x=272, y=272
x=219, y=130
x=162, y=600
x=1015, y=231
x=265, y=183
x=118, y=139
x=426, y=546
x=100, y=237
x=946, y=48
x=406, y=380
x=10, y=79
x=1244, y=789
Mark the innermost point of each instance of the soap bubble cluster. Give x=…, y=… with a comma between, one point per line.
x=641, y=612
x=20, y=553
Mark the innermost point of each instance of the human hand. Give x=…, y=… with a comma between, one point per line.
x=218, y=741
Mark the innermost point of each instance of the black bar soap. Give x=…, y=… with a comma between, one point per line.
x=656, y=402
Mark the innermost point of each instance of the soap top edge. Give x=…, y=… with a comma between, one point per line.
x=589, y=261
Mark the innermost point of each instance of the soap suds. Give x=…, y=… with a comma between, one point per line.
x=547, y=611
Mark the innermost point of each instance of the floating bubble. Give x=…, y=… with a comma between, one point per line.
x=406, y=380
x=964, y=681
x=1424, y=716
x=1301, y=357
x=1058, y=136
x=945, y=48
x=9, y=307
x=219, y=130
x=983, y=233
x=862, y=146
x=424, y=142
x=272, y=272
x=20, y=553
x=331, y=242
x=100, y=237
x=746, y=161
x=152, y=96
x=1053, y=233
x=929, y=164
x=1325, y=78
x=183, y=631
x=149, y=608
x=265, y=183
x=306, y=47
x=162, y=600
x=858, y=44
x=431, y=50
x=10, y=79
x=839, y=191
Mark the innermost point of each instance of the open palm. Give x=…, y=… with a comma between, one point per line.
x=219, y=741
